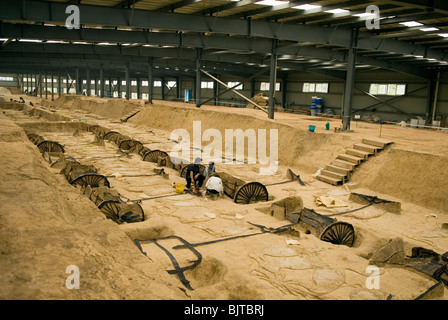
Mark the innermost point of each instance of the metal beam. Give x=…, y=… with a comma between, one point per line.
x=54, y=12
x=262, y=46
x=242, y=96
x=176, y=5
x=224, y=7
x=216, y=95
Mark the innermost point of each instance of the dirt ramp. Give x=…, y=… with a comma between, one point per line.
x=419, y=178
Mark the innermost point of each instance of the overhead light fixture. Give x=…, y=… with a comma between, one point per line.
x=429, y=29
x=56, y=41
x=336, y=11
x=445, y=35
x=365, y=15
x=307, y=7
x=29, y=40
x=272, y=3
x=411, y=24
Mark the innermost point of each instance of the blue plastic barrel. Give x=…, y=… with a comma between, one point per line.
x=313, y=109
x=312, y=128
x=319, y=106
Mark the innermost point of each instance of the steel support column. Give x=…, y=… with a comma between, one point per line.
x=139, y=94
x=150, y=81
x=163, y=87
x=349, y=81
x=111, y=94
x=78, y=83
x=40, y=84
x=67, y=85
x=59, y=83
x=101, y=81
x=128, y=83
x=198, y=77
x=119, y=87
x=31, y=81
x=52, y=86
x=88, y=84
x=46, y=84
x=178, y=87
x=284, y=90
x=272, y=80
x=215, y=91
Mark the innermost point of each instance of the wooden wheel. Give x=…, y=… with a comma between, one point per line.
x=119, y=138
x=251, y=192
x=110, y=135
x=143, y=151
x=183, y=172
x=93, y=128
x=35, y=138
x=50, y=146
x=153, y=156
x=92, y=180
x=130, y=145
x=130, y=213
x=340, y=233
x=121, y=212
x=111, y=209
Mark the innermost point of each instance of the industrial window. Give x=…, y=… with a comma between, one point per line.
x=388, y=89
x=157, y=83
x=134, y=95
x=145, y=83
x=265, y=86
x=134, y=83
x=232, y=84
x=171, y=84
x=6, y=79
x=315, y=87
x=207, y=84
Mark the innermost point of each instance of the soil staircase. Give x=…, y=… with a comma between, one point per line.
x=340, y=170
x=128, y=116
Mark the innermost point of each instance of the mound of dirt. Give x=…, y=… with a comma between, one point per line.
x=43, y=233
x=408, y=175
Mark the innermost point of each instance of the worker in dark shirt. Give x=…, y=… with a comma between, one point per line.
x=194, y=175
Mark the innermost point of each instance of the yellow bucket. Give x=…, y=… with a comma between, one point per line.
x=180, y=187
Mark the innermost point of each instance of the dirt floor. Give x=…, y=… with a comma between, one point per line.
x=48, y=225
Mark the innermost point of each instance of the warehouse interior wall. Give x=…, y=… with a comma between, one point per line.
x=418, y=101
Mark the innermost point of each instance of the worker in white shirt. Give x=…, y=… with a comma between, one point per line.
x=214, y=186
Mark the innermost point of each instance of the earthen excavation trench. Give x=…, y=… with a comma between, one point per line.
x=295, y=251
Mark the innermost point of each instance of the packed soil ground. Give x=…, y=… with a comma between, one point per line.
x=48, y=225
